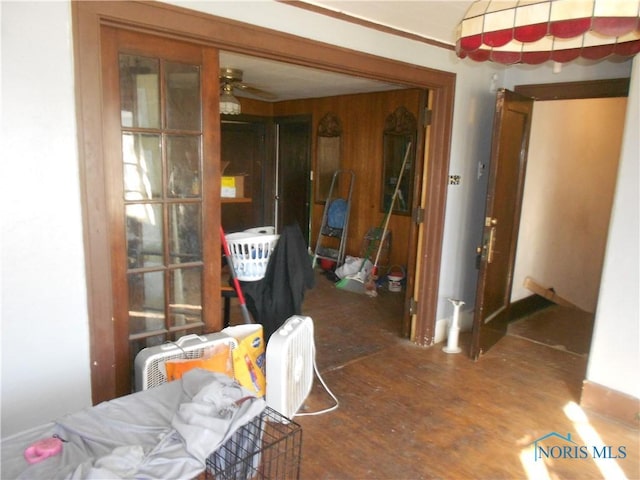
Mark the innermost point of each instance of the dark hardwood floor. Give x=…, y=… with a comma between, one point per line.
x=408, y=412
x=557, y=326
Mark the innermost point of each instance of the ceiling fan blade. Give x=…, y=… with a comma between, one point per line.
x=256, y=91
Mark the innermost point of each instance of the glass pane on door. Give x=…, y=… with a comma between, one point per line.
x=185, y=302
x=139, y=91
x=183, y=106
x=146, y=302
x=183, y=165
x=186, y=233
x=145, y=239
x=142, y=166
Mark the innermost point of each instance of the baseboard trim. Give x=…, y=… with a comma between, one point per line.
x=610, y=403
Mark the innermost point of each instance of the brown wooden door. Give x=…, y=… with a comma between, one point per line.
x=512, y=123
x=244, y=152
x=412, y=245
x=293, y=172
x=161, y=159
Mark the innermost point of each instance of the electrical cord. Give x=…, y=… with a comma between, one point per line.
x=327, y=389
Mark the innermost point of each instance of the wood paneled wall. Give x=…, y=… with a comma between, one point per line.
x=362, y=117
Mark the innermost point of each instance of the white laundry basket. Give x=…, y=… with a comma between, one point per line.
x=250, y=254
x=268, y=229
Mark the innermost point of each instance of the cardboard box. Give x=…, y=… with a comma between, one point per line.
x=232, y=186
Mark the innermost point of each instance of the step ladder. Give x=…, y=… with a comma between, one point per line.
x=335, y=220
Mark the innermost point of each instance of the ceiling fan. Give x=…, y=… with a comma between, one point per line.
x=231, y=78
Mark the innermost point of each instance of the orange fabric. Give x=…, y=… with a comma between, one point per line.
x=219, y=361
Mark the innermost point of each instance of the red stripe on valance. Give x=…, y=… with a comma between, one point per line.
x=570, y=28
x=531, y=33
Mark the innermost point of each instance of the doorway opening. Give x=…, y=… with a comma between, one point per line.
x=571, y=178
x=569, y=186
x=363, y=106
x=176, y=23
x=281, y=146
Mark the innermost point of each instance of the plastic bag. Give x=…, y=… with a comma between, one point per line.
x=352, y=265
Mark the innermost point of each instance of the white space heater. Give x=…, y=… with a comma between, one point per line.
x=290, y=358
x=149, y=362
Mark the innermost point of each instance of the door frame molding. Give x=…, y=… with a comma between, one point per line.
x=607, y=88
x=187, y=25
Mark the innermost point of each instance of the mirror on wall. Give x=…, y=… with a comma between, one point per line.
x=329, y=149
x=400, y=131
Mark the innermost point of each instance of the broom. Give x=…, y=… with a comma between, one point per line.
x=355, y=281
x=359, y=282
x=370, y=286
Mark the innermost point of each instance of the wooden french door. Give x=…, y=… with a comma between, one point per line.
x=512, y=124
x=161, y=137
x=413, y=285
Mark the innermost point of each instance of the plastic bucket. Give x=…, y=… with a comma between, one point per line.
x=395, y=277
x=327, y=264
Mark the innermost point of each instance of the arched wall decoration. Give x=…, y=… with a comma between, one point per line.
x=330, y=126
x=400, y=122
x=400, y=130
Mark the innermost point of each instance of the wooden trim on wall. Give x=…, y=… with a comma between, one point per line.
x=182, y=24
x=97, y=247
x=616, y=87
x=610, y=403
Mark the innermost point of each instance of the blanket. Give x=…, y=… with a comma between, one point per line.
x=164, y=432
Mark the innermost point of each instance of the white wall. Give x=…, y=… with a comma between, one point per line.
x=571, y=176
x=44, y=317
x=615, y=347
x=45, y=332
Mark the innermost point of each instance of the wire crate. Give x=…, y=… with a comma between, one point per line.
x=268, y=447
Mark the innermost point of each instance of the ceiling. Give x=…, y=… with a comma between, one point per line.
x=434, y=20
